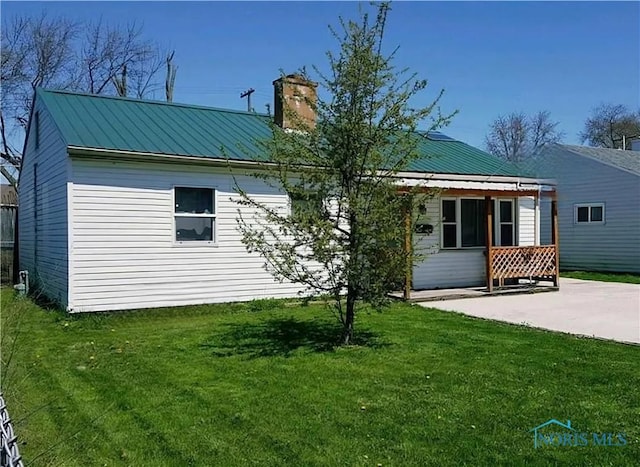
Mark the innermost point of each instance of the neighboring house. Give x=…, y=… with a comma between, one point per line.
x=131, y=204
x=598, y=206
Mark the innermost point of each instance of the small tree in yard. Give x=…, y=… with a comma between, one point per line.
x=342, y=237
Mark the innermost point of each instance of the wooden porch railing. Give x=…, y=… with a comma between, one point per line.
x=520, y=262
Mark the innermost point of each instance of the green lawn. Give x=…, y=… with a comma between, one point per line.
x=602, y=276
x=262, y=384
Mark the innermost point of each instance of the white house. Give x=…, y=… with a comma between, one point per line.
x=130, y=204
x=598, y=206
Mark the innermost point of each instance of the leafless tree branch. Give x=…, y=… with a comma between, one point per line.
x=52, y=52
x=610, y=125
x=516, y=136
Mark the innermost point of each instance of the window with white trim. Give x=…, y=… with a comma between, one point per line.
x=306, y=205
x=591, y=213
x=195, y=214
x=463, y=223
x=449, y=223
x=505, y=220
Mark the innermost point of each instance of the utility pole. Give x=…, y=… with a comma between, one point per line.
x=247, y=94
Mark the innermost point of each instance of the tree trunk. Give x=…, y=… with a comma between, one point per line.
x=347, y=332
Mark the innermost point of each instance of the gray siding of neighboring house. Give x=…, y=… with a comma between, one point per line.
x=613, y=246
x=43, y=209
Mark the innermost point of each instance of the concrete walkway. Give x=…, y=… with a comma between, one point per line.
x=608, y=310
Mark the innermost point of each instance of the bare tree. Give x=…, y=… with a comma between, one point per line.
x=611, y=126
x=110, y=51
x=139, y=79
x=170, y=80
x=10, y=156
x=36, y=51
x=516, y=136
x=144, y=75
x=52, y=52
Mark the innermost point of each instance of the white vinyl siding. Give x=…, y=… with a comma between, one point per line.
x=43, y=209
x=124, y=255
x=444, y=267
x=545, y=220
x=612, y=245
x=528, y=216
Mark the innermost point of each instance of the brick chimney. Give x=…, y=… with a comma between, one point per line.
x=297, y=94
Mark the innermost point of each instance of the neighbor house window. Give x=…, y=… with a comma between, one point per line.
x=195, y=214
x=589, y=213
x=463, y=223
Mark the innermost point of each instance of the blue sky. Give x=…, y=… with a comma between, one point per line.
x=492, y=58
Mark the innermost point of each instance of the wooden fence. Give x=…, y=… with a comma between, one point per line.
x=7, y=231
x=8, y=213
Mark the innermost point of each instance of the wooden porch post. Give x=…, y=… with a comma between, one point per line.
x=489, y=234
x=554, y=239
x=408, y=247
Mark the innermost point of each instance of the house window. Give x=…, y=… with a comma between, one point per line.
x=463, y=223
x=472, y=214
x=589, y=213
x=506, y=224
x=449, y=223
x=195, y=214
x=306, y=205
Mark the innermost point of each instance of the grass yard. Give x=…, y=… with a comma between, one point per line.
x=262, y=384
x=602, y=276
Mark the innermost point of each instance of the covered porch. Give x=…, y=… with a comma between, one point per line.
x=508, y=269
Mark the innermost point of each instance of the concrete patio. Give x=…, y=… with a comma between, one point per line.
x=606, y=310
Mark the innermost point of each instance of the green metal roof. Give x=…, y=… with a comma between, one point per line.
x=449, y=156
x=123, y=124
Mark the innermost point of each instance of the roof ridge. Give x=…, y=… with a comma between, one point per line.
x=149, y=101
x=596, y=148
x=619, y=162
